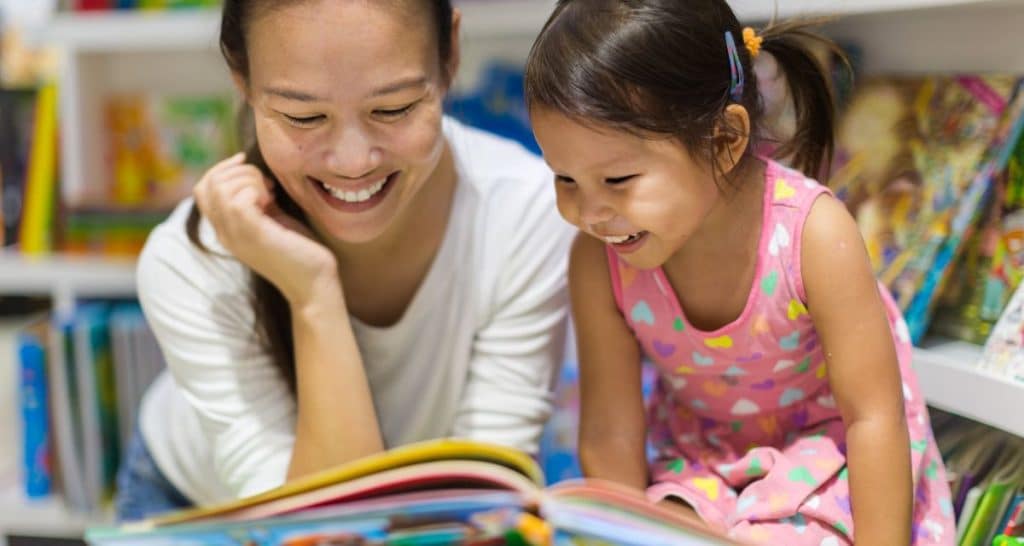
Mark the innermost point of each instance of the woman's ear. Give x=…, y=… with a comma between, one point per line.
x=452, y=67
x=732, y=136
x=241, y=85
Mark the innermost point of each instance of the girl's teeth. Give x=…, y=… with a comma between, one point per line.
x=355, y=196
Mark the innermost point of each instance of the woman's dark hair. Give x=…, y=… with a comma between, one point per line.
x=273, y=315
x=661, y=67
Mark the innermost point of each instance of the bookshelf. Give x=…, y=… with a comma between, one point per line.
x=177, y=51
x=950, y=382
x=66, y=278
x=762, y=10
x=43, y=518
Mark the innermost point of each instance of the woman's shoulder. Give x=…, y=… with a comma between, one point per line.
x=491, y=162
x=171, y=258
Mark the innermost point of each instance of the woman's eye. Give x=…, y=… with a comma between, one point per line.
x=619, y=179
x=394, y=112
x=564, y=179
x=307, y=121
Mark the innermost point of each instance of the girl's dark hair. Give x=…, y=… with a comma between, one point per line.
x=273, y=315
x=661, y=67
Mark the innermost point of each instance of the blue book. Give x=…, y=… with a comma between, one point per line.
x=34, y=413
x=1017, y=499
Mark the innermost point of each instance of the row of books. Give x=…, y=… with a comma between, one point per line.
x=101, y=5
x=81, y=380
x=919, y=162
x=985, y=467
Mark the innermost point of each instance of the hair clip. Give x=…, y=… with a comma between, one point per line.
x=735, y=68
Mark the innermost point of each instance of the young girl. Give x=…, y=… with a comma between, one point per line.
x=786, y=410
x=369, y=274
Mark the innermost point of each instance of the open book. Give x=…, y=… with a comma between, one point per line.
x=435, y=492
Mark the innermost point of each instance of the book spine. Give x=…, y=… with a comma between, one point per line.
x=35, y=419
x=41, y=183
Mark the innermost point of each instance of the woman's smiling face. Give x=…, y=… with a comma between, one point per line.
x=347, y=98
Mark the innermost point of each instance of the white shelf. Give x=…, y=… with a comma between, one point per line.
x=197, y=29
x=47, y=518
x=121, y=31
x=503, y=18
x=66, y=278
x=947, y=375
x=762, y=10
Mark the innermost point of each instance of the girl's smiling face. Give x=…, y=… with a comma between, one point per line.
x=644, y=197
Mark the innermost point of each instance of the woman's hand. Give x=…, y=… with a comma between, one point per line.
x=238, y=200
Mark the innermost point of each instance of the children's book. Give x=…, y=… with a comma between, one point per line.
x=435, y=492
x=17, y=113
x=996, y=492
x=158, y=146
x=34, y=396
x=1003, y=354
x=96, y=397
x=915, y=163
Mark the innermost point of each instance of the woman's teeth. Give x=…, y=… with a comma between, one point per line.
x=355, y=196
x=619, y=239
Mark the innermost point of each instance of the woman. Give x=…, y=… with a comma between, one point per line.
x=369, y=274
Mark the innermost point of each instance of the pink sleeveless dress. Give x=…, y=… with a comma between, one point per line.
x=742, y=418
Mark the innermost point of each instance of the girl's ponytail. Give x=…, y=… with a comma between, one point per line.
x=813, y=142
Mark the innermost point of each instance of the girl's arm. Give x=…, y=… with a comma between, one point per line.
x=863, y=371
x=612, y=422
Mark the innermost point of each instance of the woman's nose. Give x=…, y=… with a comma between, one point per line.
x=353, y=153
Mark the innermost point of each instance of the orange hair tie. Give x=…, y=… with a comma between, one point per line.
x=752, y=41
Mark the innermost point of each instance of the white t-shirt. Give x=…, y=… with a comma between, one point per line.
x=474, y=355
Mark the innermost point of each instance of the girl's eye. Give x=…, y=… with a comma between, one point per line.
x=619, y=180
x=564, y=179
x=395, y=112
x=307, y=121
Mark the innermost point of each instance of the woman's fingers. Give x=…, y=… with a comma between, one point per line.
x=233, y=196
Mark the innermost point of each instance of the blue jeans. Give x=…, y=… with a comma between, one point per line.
x=142, y=489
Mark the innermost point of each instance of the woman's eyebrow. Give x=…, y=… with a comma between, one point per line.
x=292, y=94
x=302, y=96
x=416, y=81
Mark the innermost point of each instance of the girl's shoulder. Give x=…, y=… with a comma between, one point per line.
x=788, y=186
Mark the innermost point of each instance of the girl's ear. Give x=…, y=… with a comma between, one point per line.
x=731, y=138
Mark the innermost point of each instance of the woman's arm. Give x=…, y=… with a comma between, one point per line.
x=199, y=307
x=863, y=371
x=335, y=421
x=612, y=422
